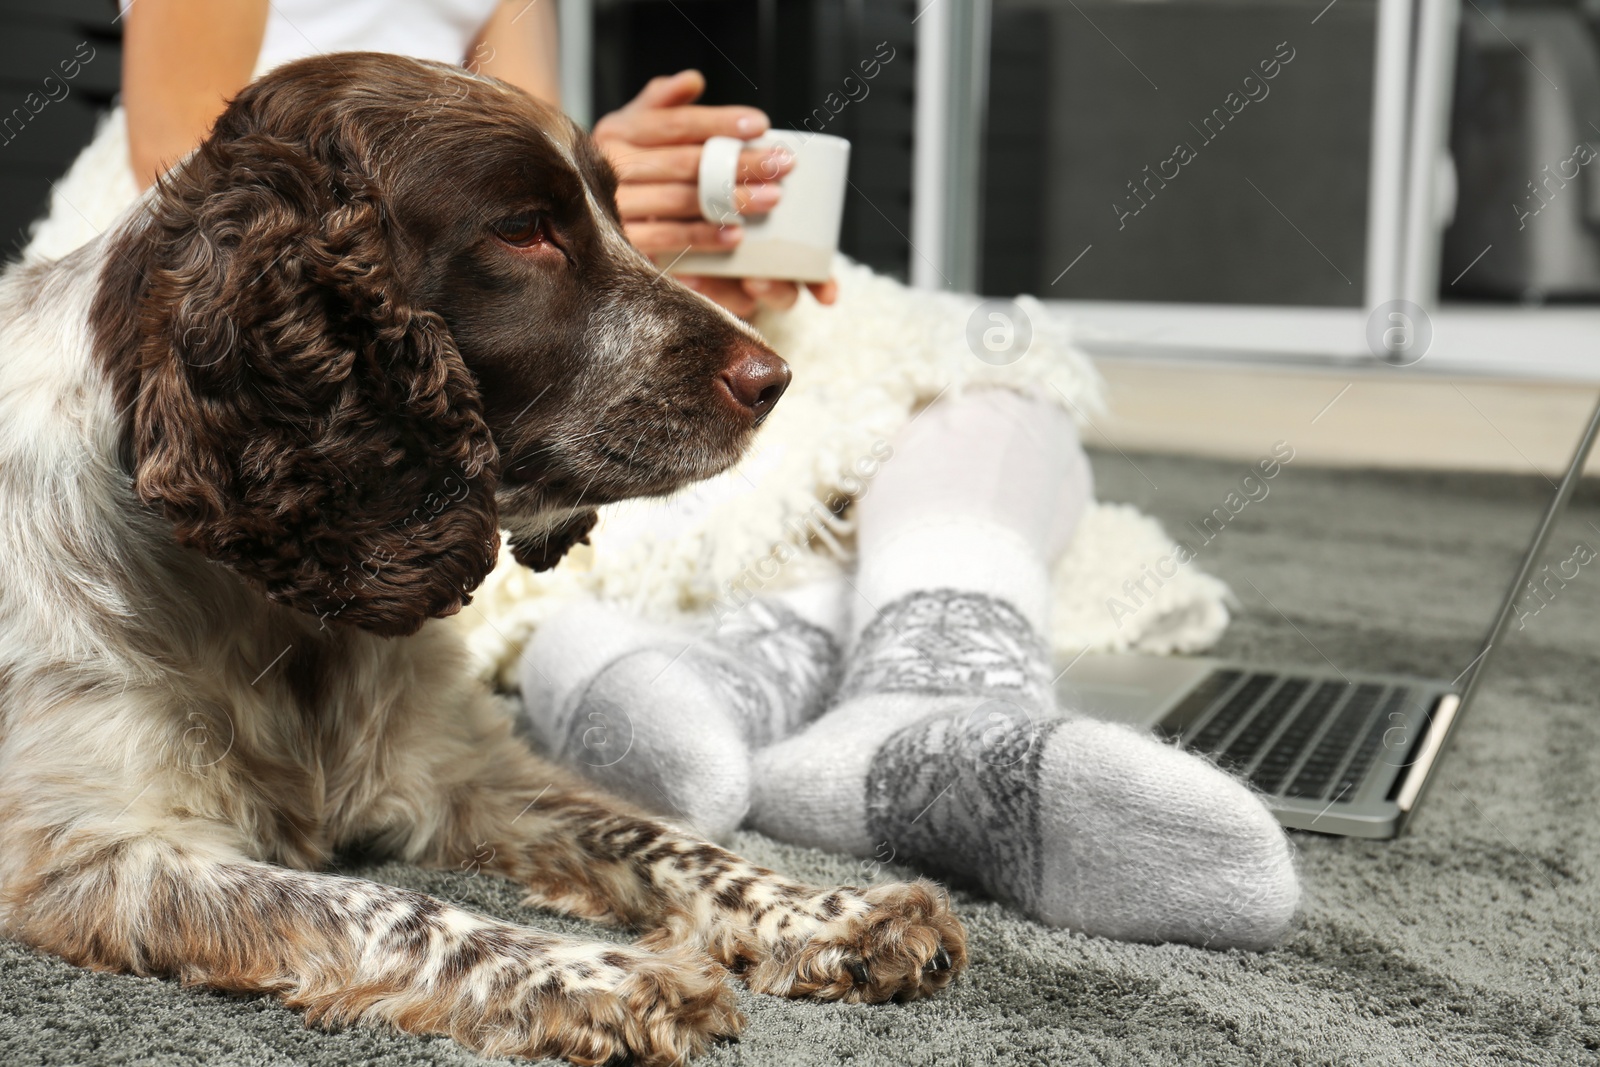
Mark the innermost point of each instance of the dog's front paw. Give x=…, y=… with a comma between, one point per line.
x=890, y=942
x=647, y=1008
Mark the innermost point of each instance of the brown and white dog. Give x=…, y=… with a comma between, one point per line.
x=251, y=442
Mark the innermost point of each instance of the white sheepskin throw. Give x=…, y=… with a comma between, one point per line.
x=85, y=203
x=862, y=369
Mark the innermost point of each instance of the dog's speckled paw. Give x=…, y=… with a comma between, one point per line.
x=890, y=942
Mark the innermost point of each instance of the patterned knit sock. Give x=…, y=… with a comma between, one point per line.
x=666, y=717
x=945, y=749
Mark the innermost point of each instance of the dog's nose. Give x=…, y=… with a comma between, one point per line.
x=756, y=379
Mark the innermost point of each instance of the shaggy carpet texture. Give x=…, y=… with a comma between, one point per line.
x=1470, y=941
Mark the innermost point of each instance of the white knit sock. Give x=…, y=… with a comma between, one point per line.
x=1079, y=823
x=945, y=748
x=667, y=717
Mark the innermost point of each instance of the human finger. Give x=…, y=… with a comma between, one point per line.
x=681, y=200
x=725, y=291
x=772, y=292
x=690, y=124
x=670, y=90
x=681, y=163
x=825, y=292
x=670, y=238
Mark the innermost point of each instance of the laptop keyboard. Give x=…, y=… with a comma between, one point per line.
x=1309, y=738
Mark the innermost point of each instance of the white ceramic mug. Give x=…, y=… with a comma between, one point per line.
x=795, y=240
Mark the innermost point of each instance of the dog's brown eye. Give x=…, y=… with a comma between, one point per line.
x=522, y=230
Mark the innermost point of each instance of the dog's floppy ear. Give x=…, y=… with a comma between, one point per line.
x=296, y=418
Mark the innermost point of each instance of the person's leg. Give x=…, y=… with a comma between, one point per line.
x=667, y=717
x=945, y=748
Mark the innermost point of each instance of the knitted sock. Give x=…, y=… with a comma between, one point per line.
x=667, y=718
x=945, y=749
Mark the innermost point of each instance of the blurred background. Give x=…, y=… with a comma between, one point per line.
x=1233, y=198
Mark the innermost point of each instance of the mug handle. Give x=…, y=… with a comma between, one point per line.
x=719, y=172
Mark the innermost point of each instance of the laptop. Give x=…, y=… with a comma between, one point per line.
x=1344, y=753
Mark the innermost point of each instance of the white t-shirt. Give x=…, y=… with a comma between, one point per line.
x=425, y=29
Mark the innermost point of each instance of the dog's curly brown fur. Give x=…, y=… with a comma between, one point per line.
x=251, y=443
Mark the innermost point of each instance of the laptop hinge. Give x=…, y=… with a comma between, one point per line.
x=1432, y=744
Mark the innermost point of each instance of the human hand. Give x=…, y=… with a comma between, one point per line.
x=654, y=144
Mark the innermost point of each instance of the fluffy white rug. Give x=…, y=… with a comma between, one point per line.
x=862, y=369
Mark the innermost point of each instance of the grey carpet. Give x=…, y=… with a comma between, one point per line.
x=1471, y=941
